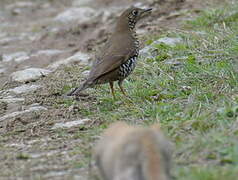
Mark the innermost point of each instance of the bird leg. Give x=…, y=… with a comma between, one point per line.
x=121, y=88
x=112, y=89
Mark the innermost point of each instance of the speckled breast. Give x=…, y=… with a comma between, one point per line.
x=127, y=67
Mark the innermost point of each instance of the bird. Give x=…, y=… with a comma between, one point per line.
x=119, y=56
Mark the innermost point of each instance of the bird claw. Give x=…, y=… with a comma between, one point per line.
x=66, y=96
x=129, y=99
x=71, y=92
x=78, y=97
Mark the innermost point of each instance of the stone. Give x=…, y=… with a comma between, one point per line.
x=80, y=3
x=70, y=124
x=81, y=15
x=141, y=31
x=24, y=89
x=10, y=99
x=52, y=174
x=85, y=73
x=16, y=11
x=49, y=153
x=107, y=15
x=5, y=41
x=168, y=41
x=79, y=57
x=2, y=70
x=147, y=51
x=48, y=52
x=16, y=114
x=140, y=5
x=20, y=5
x=2, y=34
x=30, y=37
x=29, y=74
x=176, y=61
x=17, y=57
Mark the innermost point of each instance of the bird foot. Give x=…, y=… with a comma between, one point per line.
x=84, y=97
x=80, y=96
x=66, y=96
x=129, y=99
x=71, y=92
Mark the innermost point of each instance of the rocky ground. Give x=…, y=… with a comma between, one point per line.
x=40, y=41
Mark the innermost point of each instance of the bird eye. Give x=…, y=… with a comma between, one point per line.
x=135, y=12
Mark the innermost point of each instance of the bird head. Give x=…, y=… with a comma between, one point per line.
x=131, y=16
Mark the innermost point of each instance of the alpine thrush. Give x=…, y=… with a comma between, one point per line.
x=119, y=56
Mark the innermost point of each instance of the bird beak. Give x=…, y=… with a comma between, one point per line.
x=147, y=10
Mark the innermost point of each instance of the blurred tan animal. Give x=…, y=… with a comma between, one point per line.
x=133, y=153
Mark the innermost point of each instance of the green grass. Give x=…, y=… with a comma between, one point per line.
x=195, y=101
x=191, y=89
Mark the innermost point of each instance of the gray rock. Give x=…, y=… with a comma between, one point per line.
x=20, y=5
x=17, y=57
x=200, y=32
x=30, y=74
x=140, y=5
x=2, y=70
x=79, y=57
x=48, y=153
x=85, y=73
x=1, y=16
x=81, y=15
x=30, y=37
x=141, y=31
x=107, y=15
x=5, y=41
x=16, y=114
x=70, y=124
x=16, y=11
x=176, y=61
x=24, y=89
x=147, y=51
x=80, y=3
x=53, y=174
x=10, y=99
x=168, y=41
x=47, y=52
x=2, y=34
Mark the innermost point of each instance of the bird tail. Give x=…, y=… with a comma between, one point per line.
x=77, y=90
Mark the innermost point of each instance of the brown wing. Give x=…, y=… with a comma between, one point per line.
x=115, y=55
